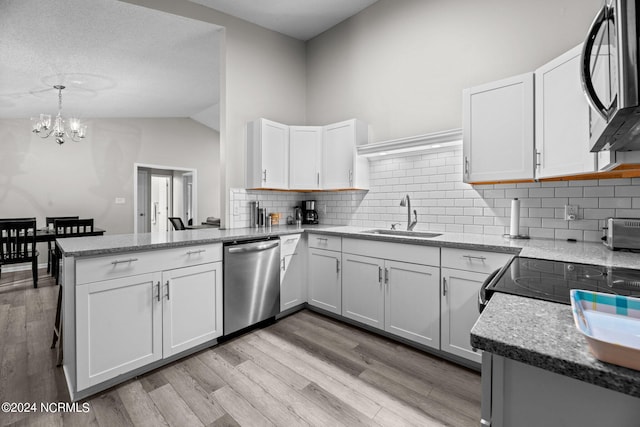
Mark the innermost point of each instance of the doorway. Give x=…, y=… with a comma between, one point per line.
x=161, y=196
x=162, y=192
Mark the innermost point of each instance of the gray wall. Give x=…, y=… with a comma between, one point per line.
x=40, y=178
x=401, y=65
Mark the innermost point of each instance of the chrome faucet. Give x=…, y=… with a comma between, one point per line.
x=407, y=202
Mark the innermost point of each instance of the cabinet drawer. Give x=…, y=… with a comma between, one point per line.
x=288, y=244
x=332, y=243
x=480, y=261
x=132, y=263
x=415, y=254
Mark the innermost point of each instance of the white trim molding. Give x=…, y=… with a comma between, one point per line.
x=412, y=144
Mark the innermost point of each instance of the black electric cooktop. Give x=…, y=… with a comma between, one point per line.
x=552, y=280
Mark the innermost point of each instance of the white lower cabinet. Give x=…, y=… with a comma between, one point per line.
x=411, y=304
x=192, y=307
x=363, y=289
x=292, y=284
x=398, y=297
x=128, y=322
x=118, y=327
x=463, y=272
x=325, y=280
x=460, y=311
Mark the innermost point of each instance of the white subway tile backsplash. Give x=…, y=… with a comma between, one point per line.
x=615, y=202
x=445, y=203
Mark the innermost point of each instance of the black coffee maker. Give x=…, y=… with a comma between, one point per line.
x=309, y=214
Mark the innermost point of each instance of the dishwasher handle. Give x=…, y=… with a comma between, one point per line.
x=253, y=247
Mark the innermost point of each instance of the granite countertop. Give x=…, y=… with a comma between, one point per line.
x=119, y=243
x=543, y=334
x=582, y=252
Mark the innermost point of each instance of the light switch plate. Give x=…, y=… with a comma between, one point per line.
x=120, y=200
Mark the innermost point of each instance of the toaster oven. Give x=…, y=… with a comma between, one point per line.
x=622, y=233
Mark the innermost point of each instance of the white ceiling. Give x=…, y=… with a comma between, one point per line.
x=121, y=60
x=116, y=59
x=300, y=19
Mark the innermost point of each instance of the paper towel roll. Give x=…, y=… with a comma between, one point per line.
x=515, y=218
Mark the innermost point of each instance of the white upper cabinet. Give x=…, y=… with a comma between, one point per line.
x=267, y=154
x=498, y=131
x=341, y=167
x=305, y=154
x=562, y=119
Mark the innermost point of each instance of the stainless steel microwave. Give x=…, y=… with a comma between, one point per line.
x=610, y=73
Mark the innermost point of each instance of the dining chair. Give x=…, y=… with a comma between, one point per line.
x=51, y=245
x=67, y=228
x=177, y=223
x=18, y=244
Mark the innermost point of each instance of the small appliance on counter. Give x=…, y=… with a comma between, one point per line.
x=622, y=233
x=309, y=214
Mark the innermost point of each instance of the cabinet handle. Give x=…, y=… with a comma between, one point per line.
x=470, y=257
x=318, y=175
x=283, y=264
x=199, y=251
x=380, y=275
x=466, y=165
x=168, y=295
x=323, y=239
x=444, y=286
x=386, y=276
x=123, y=261
x=351, y=177
x=337, y=265
x=158, y=287
x=264, y=175
x=538, y=159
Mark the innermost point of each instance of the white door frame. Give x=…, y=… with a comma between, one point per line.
x=136, y=166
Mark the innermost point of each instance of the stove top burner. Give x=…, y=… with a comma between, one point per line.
x=552, y=280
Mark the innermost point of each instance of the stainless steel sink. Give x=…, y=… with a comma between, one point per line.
x=405, y=233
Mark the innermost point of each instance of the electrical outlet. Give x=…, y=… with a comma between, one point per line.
x=570, y=212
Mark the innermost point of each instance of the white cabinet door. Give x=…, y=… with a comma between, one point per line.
x=341, y=168
x=325, y=280
x=362, y=289
x=192, y=307
x=562, y=118
x=460, y=311
x=291, y=282
x=267, y=154
x=412, y=302
x=305, y=153
x=498, y=131
x=118, y=326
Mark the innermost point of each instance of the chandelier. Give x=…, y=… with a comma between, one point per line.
x=43, y=126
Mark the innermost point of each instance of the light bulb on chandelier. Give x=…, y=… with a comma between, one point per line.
x=43, y=126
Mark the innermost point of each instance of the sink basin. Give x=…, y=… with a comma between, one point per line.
x=405, y=233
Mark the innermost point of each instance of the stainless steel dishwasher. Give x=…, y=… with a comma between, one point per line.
x=251, y=282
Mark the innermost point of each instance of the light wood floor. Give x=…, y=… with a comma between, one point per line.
x=306, y=369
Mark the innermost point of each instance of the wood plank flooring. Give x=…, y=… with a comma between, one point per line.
x=305, y=370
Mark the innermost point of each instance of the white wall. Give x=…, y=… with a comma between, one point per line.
x=401, y=65
x=264, y=76
x=40, y=178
